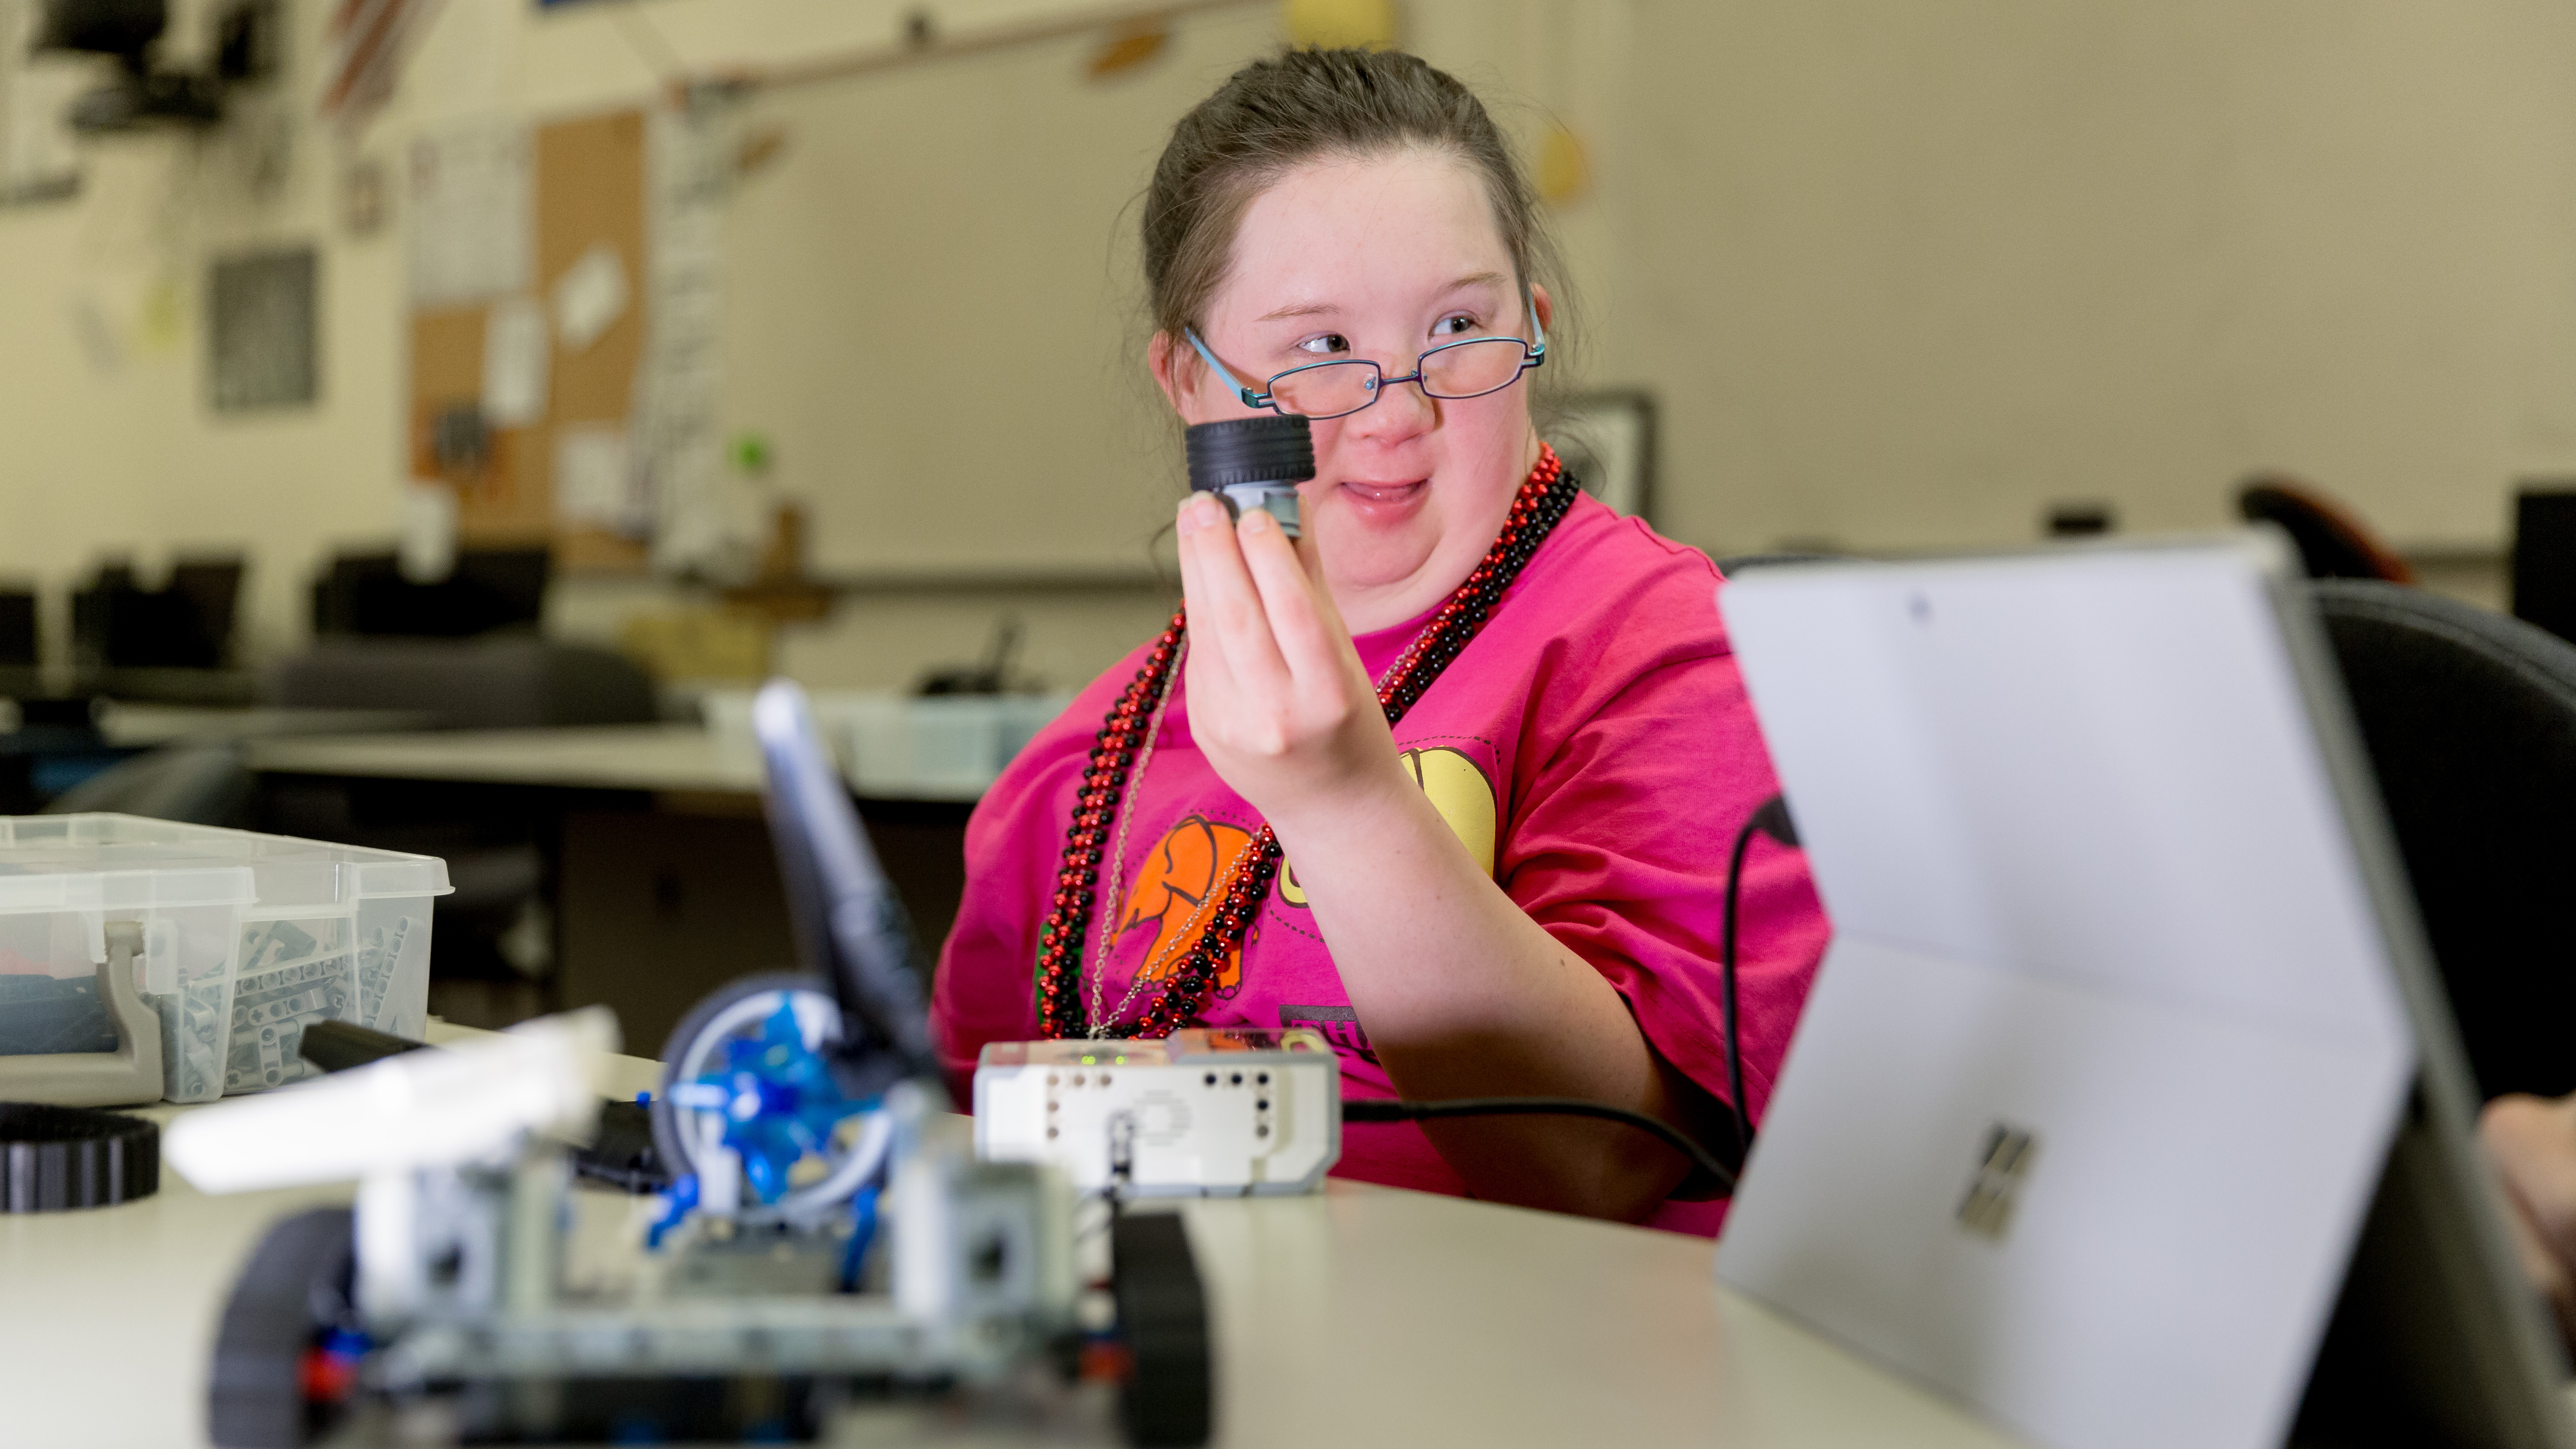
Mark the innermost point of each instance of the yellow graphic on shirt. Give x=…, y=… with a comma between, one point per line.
x=1458, y=790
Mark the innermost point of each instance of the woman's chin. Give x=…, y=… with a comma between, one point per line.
x=1361, y=561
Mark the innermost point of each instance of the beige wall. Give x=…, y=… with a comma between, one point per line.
x=1905, y=270
x=108, y=443
x=1901, y=273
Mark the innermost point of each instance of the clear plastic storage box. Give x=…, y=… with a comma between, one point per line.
x=246, y=939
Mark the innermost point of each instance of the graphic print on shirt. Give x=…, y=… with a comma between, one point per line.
x=1339, y=1024
x=1167, y=893
x=1458, y=790
x=1192, y=858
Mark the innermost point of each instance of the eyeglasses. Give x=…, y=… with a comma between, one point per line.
x=1451, y=371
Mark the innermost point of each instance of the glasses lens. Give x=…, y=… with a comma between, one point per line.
x=1471, y=369
x=1325, y=390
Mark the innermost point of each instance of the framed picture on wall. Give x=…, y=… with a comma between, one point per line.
x=1607, y=439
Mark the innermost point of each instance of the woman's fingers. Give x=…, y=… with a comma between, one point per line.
x=1308, y=634
x=2533, y=1144
x=1225, y=605
x=1204, y=668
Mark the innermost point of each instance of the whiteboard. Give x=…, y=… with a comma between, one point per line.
x=933, y=307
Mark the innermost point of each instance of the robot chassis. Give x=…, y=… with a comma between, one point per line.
x=816, y=1253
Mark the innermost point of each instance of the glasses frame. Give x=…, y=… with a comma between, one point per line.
x=1533, y=354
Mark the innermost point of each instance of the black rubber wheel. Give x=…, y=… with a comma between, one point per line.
x=667, y=1142
x=1162, y=1313
x=295, y=1289
x=57, y=1159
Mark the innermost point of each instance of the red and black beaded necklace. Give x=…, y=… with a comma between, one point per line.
x=1543, y=499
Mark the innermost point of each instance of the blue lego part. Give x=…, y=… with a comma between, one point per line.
x=863, y=1231
x=677, y=1203
x=780, y=1101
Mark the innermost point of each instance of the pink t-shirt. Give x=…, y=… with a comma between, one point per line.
x=1593, y=744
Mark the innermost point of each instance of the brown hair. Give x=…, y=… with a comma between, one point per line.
x=1273, y=115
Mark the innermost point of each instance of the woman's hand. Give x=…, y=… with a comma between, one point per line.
x=1464, y=995
x=1278, y=698
x=2533, y=1143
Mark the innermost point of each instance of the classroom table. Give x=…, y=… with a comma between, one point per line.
x=1355, y=1317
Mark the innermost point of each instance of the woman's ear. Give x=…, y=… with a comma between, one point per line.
x=1544, y=306
x=1175, y=370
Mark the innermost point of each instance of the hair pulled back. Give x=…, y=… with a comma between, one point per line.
x=1274, y=115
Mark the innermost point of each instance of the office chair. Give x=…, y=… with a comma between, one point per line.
x=489, y=589
x=2470, y=721
x=2333, y=541
x=187, y=624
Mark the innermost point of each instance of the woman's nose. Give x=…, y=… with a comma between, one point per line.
x=1401, y=410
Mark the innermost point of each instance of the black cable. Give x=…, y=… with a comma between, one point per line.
x=1375, y=1109
x=1770, y=818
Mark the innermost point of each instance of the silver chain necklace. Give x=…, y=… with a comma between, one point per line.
x=1129, y=800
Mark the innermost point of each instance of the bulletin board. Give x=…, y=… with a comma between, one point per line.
x=589, y=180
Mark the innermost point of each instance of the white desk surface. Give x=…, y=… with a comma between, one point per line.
x=1363, y=1316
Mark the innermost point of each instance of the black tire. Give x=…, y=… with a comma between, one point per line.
x=295, y=1288
x=1162, y=1313
x=667, y=1142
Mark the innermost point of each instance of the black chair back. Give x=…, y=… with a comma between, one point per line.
x=2470, y=721
x=187, y=624
x=489, y=589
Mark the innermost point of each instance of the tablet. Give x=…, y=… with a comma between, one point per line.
x=2128, y=1029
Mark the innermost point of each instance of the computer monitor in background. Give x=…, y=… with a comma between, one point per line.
x=2125, y=1007
x=849, y=924
x=2544, y=557
x=18, y=672
x=17, y=628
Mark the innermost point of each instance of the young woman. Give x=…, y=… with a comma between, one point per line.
x=1515, y=889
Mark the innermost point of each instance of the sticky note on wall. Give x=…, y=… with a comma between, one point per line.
x=590, y=297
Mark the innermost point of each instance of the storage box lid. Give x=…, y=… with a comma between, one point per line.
x=125, y=862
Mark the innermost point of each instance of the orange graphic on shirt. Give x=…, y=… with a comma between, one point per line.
x=1187, y=863
x=1175, y=880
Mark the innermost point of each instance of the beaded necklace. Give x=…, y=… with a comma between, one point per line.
x=1126, y=737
